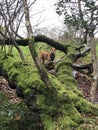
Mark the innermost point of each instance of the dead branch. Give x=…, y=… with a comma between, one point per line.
x=82, y=53
x=87, y=67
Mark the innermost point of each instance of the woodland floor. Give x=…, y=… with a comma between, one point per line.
x=84, y=85
x=11, y=94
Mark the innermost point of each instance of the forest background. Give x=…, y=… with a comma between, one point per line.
x=41, y=92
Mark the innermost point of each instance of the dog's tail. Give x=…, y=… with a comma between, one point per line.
x=40, y=49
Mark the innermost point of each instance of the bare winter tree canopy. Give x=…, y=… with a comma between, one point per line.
x=11, y=16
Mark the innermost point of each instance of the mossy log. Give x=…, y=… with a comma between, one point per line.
x=61, y=106
x=38, y=38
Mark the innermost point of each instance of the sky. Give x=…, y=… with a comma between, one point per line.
x=43, y=15
x=48, y=13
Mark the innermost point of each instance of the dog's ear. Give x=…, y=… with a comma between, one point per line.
x=53, y=49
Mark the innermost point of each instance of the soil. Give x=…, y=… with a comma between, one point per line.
x=11, y=94
x=84, y=85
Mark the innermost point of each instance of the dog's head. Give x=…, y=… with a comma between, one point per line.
x=53, y=50
x=52, y=54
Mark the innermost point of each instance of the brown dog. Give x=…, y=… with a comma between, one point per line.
x=47, y=56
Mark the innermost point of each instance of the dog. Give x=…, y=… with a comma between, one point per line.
x=47, y=56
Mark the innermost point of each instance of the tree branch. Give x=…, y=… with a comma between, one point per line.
x=88, y=67
x=40, y=38
x=82, y=53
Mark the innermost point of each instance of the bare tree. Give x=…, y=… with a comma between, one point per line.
x=42, y=71
x=10, y=12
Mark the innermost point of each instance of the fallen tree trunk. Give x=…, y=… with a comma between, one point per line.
x=39, y=38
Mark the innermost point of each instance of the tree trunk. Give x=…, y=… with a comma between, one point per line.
x=19, y=51
x=95, y=70
x=42, y=72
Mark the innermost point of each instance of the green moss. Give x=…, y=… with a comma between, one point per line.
x=85, y=127
x=62, y=105
x=69, y=118
x=49, y=123
x=27, y=91
x=67, y=123
x=84, y=106
x=90, y=123
x=13, y=73
x=64, y=65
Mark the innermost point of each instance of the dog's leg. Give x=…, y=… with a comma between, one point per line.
x=43, y=60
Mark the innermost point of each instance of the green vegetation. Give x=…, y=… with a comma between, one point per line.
x=57, y=108
x=17, y=116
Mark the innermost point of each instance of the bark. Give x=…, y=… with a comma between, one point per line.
x=82, y=53
x=87, y=67
x=51, y=42
x=40, y=38
x=95, y=71
x=20, y=51
x=42, y=72
x=16, y=46
x=79, y=48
